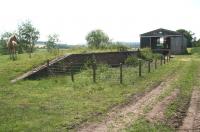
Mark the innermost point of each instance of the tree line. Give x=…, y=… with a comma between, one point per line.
x=27, y=36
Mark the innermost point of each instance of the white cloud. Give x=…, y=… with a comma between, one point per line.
x=122, y=20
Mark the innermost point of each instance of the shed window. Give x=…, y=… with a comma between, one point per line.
x=160, y=42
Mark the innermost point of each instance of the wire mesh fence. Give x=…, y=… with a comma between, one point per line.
x=102, y=73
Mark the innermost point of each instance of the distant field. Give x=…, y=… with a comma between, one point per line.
x=57, y=104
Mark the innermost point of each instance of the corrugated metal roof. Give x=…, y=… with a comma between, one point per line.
x=160, y=32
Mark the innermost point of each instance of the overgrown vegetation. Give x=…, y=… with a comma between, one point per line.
x=132, y=61
x=55, y=103
x=147, y=54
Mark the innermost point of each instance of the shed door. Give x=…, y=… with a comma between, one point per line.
x=168, y=43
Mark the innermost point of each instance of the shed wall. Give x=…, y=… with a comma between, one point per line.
x=144, y=42
x=178, y=45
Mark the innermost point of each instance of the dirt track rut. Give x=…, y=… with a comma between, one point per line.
x=192, y=120
x=157, y=113
x=119, y=118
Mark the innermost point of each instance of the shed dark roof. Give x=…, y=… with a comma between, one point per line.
x=160, y=32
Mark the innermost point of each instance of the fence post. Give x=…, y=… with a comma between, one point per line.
x=169, y=54
x=138, y=52
x=71, y=72
x=167, y=58
x=47, y=63
x=140, y=67
x=155, y=63
x=47, y=66
x=164, y=59
x=161, y=57
x=149, y=66
x=120, y=73
x=94, y=71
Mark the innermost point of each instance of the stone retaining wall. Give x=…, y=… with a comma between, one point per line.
x=110, y=58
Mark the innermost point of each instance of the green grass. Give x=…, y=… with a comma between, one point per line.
x=187, y=79
x=196, y=51
x=89, y=50
x=10, y=69
x=57, y=104
x=142, y=125
x=185, y=84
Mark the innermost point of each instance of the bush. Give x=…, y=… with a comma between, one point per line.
x=103, y=68
x=147, y=54
x=132, y=61
x=88, y=64
x=156, y=55
x=196, y=44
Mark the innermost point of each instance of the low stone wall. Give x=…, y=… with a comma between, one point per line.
x=110, y=58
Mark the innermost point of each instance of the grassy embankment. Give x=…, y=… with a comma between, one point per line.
x=55, y=103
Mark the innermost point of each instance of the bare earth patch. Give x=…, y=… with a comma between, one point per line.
x=192, y=119
x=118, y=118
x=185, y=59
x=157, y=113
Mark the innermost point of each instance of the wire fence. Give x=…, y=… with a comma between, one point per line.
x=112, y=73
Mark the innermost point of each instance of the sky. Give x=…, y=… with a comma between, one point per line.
x=121, y=20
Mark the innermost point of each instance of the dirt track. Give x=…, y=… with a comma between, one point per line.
x=119, y=118
x=192, y=120
x=157, y=113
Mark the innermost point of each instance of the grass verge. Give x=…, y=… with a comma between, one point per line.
x=175, y=111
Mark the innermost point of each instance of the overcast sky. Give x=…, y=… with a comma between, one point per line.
x=122, y=20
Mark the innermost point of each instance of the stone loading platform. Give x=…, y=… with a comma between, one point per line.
x=110, y=58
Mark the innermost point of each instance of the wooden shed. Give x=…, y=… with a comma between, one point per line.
x=164, y=41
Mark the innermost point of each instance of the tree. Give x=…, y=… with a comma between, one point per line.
x=3, y=42
x=28, y=35
x=188, y=35
x=196, y=43
x=96, y=38
x=51, y=43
